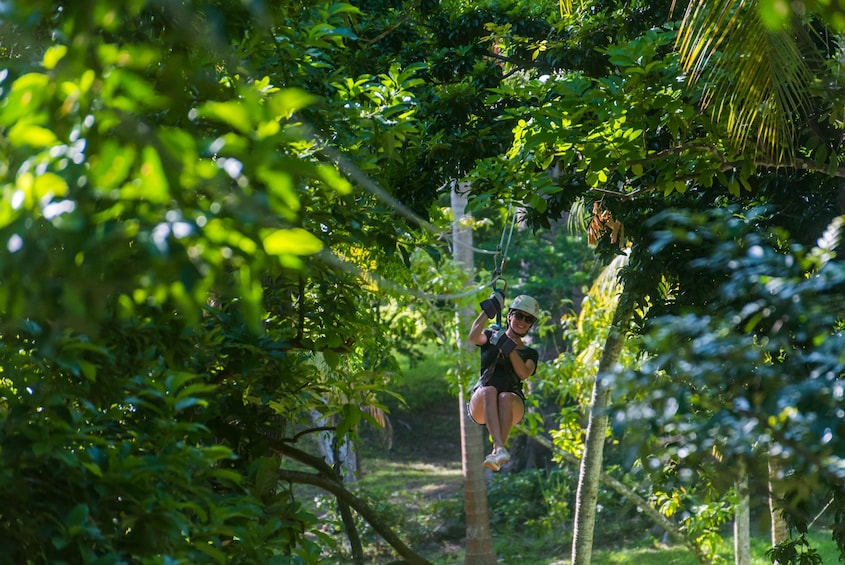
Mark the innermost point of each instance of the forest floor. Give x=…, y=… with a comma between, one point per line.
x=419, y=470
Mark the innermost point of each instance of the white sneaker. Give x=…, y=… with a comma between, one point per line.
x=490, y=462
x=502, y=456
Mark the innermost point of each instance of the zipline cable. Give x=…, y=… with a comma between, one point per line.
x=350, y=169
x=503, y=252
x=819, y=515
x=468, y=246
x=334, y=261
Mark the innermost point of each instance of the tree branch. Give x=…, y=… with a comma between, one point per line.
x=521, y=64
x=402, y=19
x=360, y=507
x=313, y=430
x=328, y=479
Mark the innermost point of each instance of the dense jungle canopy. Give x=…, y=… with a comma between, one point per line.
x=222, y=221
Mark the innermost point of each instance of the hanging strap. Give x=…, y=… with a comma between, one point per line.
x=500, y=260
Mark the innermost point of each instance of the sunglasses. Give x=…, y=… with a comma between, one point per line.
x=523, y=317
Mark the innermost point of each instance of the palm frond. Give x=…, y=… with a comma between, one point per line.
x=578, y=218
x=379, y=416
x=755, y=78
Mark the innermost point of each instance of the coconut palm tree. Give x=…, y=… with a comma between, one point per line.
x=758, y=66
x=606, y=292
x=479, y=544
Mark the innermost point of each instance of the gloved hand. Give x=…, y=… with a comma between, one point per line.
x=494, y=304
x=501, y=340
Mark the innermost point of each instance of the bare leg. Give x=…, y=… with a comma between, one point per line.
x=491, y=415
x=476, y=407
x=479, y=407
x=511, y=411
x=484, y=408
x=498, y=411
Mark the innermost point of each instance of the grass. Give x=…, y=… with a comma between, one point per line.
x=388, y=479
x=428, y=498
x=681, y=556
x=521, y=551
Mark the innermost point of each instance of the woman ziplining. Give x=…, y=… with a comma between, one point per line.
x=498, y=400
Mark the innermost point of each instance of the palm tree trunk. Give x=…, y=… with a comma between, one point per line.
x=624, y=491
x=742, y=519
x=479, y=544
x=780, y=532
x=591, y=463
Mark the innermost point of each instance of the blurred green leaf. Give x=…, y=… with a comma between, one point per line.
x=293, y=241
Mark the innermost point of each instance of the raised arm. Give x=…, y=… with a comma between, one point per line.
x=476, y=332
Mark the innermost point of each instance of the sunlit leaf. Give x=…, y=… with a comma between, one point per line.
x=343, y=8
x=294, y=241
x=234, y=114
x=25, y=98
x=334, y=179
x=112, y=165
x=53, y=55
x=154, y=185
x=24, y=134
x=49, y=184
x=281, y=185
x=289, y=100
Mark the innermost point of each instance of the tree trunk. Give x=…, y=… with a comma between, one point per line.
x=780, y=532
x=479, y=543
x=342, y=456
x=742, y=519
x=624, y=491
x=591, y=462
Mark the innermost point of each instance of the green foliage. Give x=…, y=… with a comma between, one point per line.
x=166, y=323
x=540, y=503
x=755, y=358
x=425, y=381
x=554, y=266
x=700, y=511
x=630, y=126
x=125, y=454
x=534, y=499
x=798, y=551
x=196, y=199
